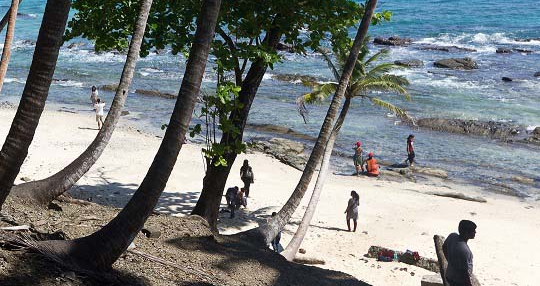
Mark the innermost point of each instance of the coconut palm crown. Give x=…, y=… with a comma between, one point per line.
x=366, y=77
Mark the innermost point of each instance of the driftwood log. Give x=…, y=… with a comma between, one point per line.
x=443, y=264
x=426, y=263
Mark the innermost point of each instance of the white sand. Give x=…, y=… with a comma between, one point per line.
x=395, y=215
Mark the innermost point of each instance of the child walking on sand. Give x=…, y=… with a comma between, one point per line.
x=410, y=150
x=352, y=210
x=358, y=158
x=98, y=107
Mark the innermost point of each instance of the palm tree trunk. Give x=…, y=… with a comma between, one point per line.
x=44, y=191
x=34, y=95
x=5, y=19
x=268, y=230
x=6, y=51
x=216, y=176
x=100, y=250
x=292, y=248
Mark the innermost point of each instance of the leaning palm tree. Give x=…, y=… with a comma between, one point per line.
x=101, y=249
x=35, y=93
x=44, y=191
x=362, y=81
x=269, y=229
x=6, y=51
x=5, y=19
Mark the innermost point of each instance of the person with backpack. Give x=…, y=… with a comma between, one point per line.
x=246, y=174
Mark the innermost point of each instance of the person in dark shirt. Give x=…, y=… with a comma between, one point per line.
x=230, y=196
x=459, y=256
x=247, y=176
x=410, y=150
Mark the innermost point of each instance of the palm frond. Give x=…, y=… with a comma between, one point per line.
x=381, y=69
x=401, y=113
x=376, y=56
x=333, y=68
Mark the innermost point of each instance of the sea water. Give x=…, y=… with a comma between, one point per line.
x=478, y=94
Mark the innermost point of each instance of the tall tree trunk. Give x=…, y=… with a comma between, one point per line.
x=5, y=19
x=35, y=93
x=292, y=248
x=6, y=51
x=216, y=176
x=268, y=230
x=100, y=250
x=44, y=191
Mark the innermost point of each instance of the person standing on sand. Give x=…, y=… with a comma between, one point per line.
x=247, y=176
x=98, y=106
x=276, y=246
x=352, y=210
x=94, y=95
x=459, y=256
x=358, y=158
x=230, y=196
x=410, y=150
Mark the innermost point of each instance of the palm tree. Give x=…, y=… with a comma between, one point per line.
x=6, y=52
x=268, y=230
x=5, y=19
x=35, y=93
x=362, y=81
x=45, y=190
x=100, y=250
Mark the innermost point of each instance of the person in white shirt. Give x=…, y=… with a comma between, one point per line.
x=98, y=106
x=94, y=95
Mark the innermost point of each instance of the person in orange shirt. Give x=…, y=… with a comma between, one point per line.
x=372, y=166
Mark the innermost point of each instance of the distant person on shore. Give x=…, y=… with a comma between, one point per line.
x=230, y=197
x=352, y=210
x=371, y=166
x=459, y=256
x=275, y=242
x=98, y=106
x=247, y=176
x=358, y=158
x=410, y=150
x=94, y=95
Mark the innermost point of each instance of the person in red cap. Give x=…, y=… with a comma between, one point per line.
x=358, y=158
x=372, y=166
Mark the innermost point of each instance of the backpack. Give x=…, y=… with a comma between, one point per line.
x=248, y=174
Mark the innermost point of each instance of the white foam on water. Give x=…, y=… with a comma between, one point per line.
x=69, y=83
x=530, y=128
x=89, y=56
x=7, y=80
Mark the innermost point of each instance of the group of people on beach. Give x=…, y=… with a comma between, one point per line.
x=237, y=197
x=370, y=164
x=98, y=105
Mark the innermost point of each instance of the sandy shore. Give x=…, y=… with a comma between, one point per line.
x=396, y=215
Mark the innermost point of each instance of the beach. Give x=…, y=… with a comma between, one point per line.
x=398, y=215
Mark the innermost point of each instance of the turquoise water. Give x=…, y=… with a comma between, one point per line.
x=479, y=94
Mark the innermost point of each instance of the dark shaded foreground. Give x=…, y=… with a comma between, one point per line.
x=193, y=255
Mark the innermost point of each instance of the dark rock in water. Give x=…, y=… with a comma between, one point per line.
x=409, y=63
x=293, y=77
x=25, y=16
x=285, y=47
x=28, y=42
x=109, y=87
x=457, y=64
x=276, y=129
x=482, y=128
x=537, y=74
x=525, y=51
x=392, y=41
x=503, y=51
x=536, y=132
x=446, y=49
x=505, y=78
x=286, y=151
x=6, y=105
x=124, y=113
x=527, y=40
x=75, y=45
x=156, y=93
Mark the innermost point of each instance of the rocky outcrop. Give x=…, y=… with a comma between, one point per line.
x=276, y=129
x=75, y=45
x=482, y=128
x=286, y=151
x=6, y=105
x=503, y=51
x=413, y=63
x=293, y=77
x=457, y=64
x=537, y=74
x=392, y=41
x=524, y=51
x=446, y=48
x=156, y=93
x=534, y=137
x=285, y=48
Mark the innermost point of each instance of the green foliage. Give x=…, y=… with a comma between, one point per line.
x=216, y=110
